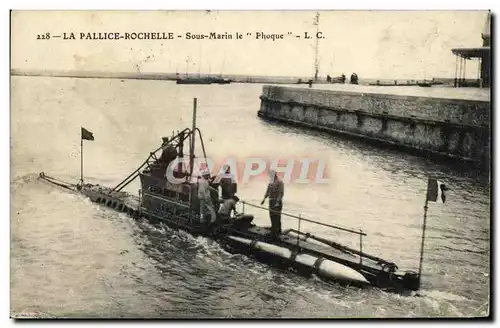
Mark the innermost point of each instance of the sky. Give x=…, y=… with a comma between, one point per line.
x=374, y=44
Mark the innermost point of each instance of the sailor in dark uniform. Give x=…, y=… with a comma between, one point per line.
x=214, y=192
x=354, y=78
x=228, y=184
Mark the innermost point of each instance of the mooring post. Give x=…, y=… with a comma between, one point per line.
x=456, y=71
x=360, y=246
x=298, y=231
x=191, y=153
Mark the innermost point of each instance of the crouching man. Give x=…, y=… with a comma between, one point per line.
x=225, y=211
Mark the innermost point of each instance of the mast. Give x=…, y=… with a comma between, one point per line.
x=223, y=63
x=199, y=65
x=169, y=61
x=316, y=63
x=188, y=59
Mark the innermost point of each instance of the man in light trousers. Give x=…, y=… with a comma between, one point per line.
x=206, y=205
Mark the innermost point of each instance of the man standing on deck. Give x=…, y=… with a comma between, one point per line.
x=206, y=205
x=227, y=183
x=275, y=191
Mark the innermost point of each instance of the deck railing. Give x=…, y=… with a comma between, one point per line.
x=300, y=218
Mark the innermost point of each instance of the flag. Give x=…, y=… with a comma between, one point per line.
x=436, y=191
x=87, y=135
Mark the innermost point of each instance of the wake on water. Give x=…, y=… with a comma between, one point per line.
x=212, y=254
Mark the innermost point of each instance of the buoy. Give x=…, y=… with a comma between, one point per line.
x=306, y=259
x=330, y=269
x=339, y=271
x=324, y=267
x=273, y=249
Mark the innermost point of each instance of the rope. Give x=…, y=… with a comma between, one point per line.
x=152, y=154
x=57, y=182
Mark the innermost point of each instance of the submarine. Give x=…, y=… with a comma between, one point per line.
x=176, y=204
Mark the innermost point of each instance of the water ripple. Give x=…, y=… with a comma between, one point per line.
x=72, y=258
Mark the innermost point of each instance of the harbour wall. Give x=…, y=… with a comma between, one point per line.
x=451, y=128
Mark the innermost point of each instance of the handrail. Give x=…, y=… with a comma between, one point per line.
x=135, y=174
x=186, y=133
x=344, y=248
x=307, y=220
x=178, y=203
x=202, y=144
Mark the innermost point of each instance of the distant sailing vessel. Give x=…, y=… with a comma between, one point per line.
x=201, y=79
x=193, y=80
x=315, y=79
x=221, y=80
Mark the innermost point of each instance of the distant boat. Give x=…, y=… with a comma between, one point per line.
x=193, y=79
x=199, y=79
x=424, y=83
x=220, y=80
x=202, y=80
x=300, y=81
x=330, y=80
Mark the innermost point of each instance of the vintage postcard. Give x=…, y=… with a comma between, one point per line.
x=250, y=164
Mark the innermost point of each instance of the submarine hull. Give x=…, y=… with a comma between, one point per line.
x=306, y=262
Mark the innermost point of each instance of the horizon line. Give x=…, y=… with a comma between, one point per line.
x=174, y=75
